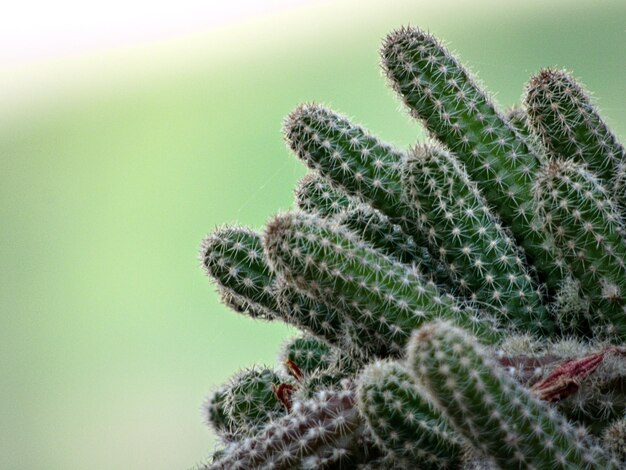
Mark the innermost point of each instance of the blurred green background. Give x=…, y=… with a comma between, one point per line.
x=114, y=165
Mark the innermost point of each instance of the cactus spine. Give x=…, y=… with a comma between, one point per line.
x=579, y=214
x=462, y=304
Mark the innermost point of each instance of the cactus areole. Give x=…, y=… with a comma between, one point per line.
x=462, y=304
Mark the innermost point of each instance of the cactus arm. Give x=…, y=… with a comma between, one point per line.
x=350, y=158
x=584, y=222
x=308, y=354
x=403, y=421
x=315, y=195
x=501, y=418
x=440, y=92
x=470, y=239
x=385, y=298
x=562, y=114
x=323, y=428
x=233, y=257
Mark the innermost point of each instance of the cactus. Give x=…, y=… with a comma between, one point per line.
x=471, y=240
x=462, y=304
x=562, y=114
x=580, y=215
x=404, y=422
x=500, y=417
x=440, y=92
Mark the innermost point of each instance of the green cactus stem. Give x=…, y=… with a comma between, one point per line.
x=314, y=194
x=215, y=413
x=403, y=421
x=251, y=400
x=584, y=222
x=499, y=417
x=317, y=432
x=305, y=355
x=350, y=158
x=385, y=298
x=440, y=92
x=478, y=252
x=562, y=114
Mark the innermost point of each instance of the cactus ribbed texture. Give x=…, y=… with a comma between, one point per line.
x=308, y=354
x=470, y=239
x=386, y=298
x=440, y=92
x=585, y=224
x=350, y=158
x=251, y=401
x=562, y=114
x=215, y=412
x=500, y=417
x=233, y=257
x=403, y=421
x=314, y=194
x=461, y=305
x=614, y=439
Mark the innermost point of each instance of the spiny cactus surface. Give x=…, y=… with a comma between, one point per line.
x=462, y=304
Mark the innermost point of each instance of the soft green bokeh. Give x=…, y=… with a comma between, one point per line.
x=110, y=335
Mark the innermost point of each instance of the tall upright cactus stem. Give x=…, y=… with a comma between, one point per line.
x=562, y=114
x=440, y=92
x=386, y=299
x=585, y=224
x=470, y=239
x=403, y=421
x=324, y=428
x=501, y=418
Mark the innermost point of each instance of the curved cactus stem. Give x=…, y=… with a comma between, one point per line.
x=314, y=194
x=501, y=418
x=385, y=299
x=462, y=229
x=215, y=413
x=562, y=114
x=440, y=92
x=584, y=222
x=403, y=420
x=304, y=355
x=233, y=257
x=350, y=158
x=251, y=401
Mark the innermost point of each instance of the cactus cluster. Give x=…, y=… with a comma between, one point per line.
x=462, y=304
